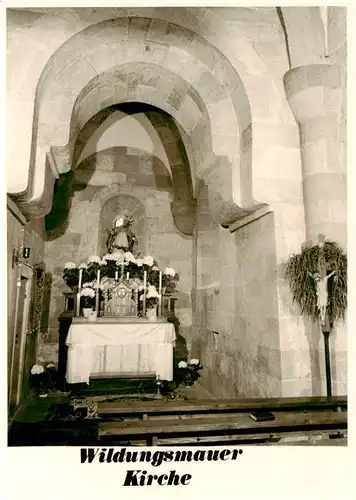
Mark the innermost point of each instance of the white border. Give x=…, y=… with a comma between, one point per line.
x=267, y=472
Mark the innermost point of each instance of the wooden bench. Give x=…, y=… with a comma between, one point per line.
x=221, y=422
x=164, y=407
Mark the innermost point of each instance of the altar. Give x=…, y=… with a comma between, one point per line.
x=116, y=347
x=119, y=329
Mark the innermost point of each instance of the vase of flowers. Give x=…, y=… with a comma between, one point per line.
x=87, y=296
x=38, y=380
x=43, y=378
x=71, y=275
x=169, y=280
x=151, y=303
x=152, y=314
x=189, y=371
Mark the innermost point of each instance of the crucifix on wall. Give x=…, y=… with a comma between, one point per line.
x=321, y=279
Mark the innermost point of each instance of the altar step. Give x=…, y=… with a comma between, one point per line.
x=297, y=421
x=114, y=385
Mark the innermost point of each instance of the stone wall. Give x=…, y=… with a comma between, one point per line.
x=236, y=330
x=29, y=235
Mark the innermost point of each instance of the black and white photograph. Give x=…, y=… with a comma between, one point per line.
x=176, y=230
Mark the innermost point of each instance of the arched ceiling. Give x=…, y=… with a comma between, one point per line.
x=170, y=138
x=124, y=129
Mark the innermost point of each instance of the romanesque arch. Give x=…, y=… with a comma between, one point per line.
x=180, y=163
x=222, y=97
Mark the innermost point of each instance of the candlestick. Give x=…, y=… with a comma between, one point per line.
x=144, y=292
x=78, y=305
x=78, y=294
x=136, y=302
x=160, y=294
x=122, y=270
x=80, y=279
x=97, y=293
x=158, y=384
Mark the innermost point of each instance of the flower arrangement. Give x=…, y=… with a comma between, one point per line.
x=87, y=295
x=43, y=378
x=37, y=370
x=119, y=261
x=71, y=274
x=188, y=372
x=151, y=297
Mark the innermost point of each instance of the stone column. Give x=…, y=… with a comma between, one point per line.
x=315, y=96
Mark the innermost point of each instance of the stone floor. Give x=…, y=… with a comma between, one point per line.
x=36, y=409
x=197, y=391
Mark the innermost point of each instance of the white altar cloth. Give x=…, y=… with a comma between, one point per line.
x=119, y=349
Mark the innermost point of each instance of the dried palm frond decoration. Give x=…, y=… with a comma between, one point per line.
x=300, y=269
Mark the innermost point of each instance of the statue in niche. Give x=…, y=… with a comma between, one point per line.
x=121, y=237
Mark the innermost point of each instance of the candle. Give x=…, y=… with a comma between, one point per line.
x=80, y=279
x=122, y=270
x=97, y=293
x=116, y=275
x=160, y=294
x=136, y=301
x=78, y=304
x=144, y=291
x=127, y=276
x=78, y=294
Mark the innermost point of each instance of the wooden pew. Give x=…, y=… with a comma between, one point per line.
x=297, y=420
x=164, y=407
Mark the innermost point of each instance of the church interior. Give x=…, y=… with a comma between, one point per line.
x=164, y=165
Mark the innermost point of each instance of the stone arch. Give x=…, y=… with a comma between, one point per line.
x=104, y=91
x=226, y=189
x=223, y=97
x=184, y=205
x=207, y=32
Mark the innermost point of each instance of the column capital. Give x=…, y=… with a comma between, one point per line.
x=313, y=91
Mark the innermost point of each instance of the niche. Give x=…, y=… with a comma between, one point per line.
x=123, y=205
